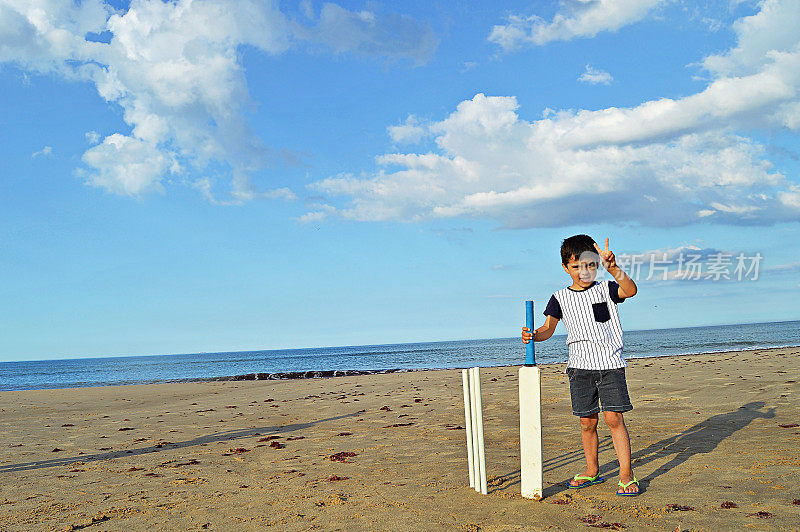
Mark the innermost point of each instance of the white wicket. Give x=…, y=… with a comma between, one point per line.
x=468, y=422
x=530, y=432
x=473, y=414
x=530, y=428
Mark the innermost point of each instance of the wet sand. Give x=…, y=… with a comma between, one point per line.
x=715, y=441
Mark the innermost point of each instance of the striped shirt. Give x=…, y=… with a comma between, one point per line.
x=594, y=332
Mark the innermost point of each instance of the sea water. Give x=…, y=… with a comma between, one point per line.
x=327, y=361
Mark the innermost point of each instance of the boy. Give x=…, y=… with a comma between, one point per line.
x=596, y=369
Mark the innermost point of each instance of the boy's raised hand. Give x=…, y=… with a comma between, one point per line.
x=609, y=261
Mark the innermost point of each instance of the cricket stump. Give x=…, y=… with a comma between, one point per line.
x=530, y=419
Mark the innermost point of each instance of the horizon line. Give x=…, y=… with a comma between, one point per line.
x=418, y=342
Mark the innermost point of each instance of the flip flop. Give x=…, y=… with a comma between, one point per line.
x=590, y=481
x=626, y=494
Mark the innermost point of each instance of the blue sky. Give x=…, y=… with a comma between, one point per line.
x=218, y=176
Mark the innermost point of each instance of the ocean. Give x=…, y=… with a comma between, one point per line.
x=333, y=361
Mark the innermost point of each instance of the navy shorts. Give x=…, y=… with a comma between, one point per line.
x=590, y=388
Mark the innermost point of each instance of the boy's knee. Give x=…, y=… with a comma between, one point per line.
x=589, y=423
x=613, y=419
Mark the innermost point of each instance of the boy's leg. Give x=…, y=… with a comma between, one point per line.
x=615, y=400
x=590, y=444
x=586, y=405
x=622, y=445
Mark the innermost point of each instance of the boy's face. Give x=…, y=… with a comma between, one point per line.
x=583, y=269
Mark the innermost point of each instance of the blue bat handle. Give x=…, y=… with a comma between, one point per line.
x=530, y=354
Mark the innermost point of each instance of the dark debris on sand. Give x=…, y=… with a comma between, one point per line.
x=679, y=508
x=609, y=526
x=341, y=456
x=762, y=515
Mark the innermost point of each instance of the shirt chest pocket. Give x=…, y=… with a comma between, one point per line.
x=601, y=313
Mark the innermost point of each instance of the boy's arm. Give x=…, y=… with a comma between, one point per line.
x=542, y=333
x=627, y=288
x=545, y=331
x=553, y=313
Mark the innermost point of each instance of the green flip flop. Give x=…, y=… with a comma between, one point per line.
x=623, y=486
x=590, y=481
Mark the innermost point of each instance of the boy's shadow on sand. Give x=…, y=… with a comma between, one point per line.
x=699, y=439
x=200, y=440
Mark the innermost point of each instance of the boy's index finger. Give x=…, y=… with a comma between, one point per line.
x=597, y=247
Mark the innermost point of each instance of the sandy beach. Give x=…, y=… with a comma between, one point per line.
x=715, y=437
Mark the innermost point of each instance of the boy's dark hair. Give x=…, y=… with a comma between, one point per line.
x=574, y=246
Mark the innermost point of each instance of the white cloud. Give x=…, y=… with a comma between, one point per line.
x=321, y=213
x=307, y=9
x=673, y=254
x=410, y=132
x=311, y=217
x=791, y=267
x=127, y=165
x=774, y=29
x=365, y=32
x=692, y=264
x=664, y=162
x=713, y=24
x=791, y=197
x=40, y=35
x=577, y=18
x=47, y=151
x=174, y=69
x=596, y=76
x=92, y=137
x=492, y=164
x=206, y=185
